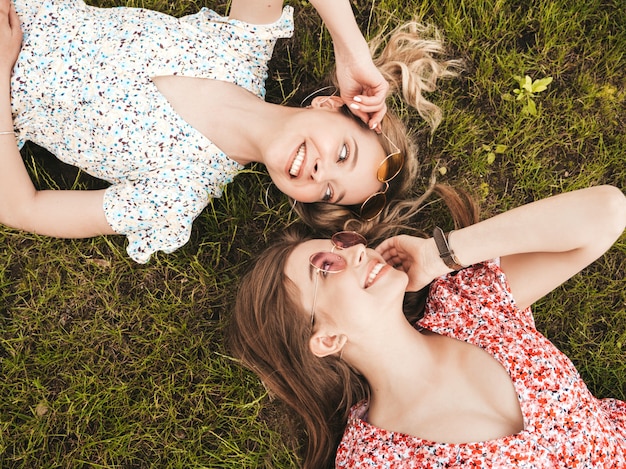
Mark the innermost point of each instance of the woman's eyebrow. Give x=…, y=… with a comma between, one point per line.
x=356, y=153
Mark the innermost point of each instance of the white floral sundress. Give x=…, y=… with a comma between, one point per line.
x=565, y=426
x=82, y=88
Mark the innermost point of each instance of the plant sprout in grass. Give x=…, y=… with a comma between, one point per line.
x=528, y=88
x=494, y=150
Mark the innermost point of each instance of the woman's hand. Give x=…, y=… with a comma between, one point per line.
x=10, y=36
x=418, y=257
x=362, y=87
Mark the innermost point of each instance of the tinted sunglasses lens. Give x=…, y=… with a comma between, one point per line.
x=328, y=262
x=345, y=239
x=373, y=206
x=390, y=167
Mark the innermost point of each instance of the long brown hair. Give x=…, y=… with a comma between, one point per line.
x=270, y=331
x=412, y=60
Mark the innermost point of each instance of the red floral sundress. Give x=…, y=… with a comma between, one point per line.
x=565, y=426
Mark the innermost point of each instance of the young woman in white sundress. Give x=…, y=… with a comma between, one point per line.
x=168, y=110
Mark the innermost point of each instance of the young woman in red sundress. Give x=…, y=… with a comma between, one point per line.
x=328, y=326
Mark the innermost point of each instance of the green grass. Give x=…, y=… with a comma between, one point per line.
x=106, y=363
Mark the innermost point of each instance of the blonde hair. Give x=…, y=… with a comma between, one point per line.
x=409, y=59
x=269, y=331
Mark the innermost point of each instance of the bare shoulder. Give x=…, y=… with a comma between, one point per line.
x=256, y=12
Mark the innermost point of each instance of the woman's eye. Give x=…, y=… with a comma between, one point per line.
x=344, y=153
x=327, y=267
x=327, y=195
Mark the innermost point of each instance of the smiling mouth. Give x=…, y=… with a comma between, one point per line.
x=297, y=162
x=372, y=276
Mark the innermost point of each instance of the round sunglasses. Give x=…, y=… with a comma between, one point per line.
x=330, y=262
x=388, y=169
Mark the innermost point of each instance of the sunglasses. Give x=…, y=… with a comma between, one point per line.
x=331, y=262
x=388, y=169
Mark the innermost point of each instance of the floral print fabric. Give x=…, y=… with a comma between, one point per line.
x=82, y=88
x=565, y=426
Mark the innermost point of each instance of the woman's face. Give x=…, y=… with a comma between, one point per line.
x=322, y=155
x=366, y=284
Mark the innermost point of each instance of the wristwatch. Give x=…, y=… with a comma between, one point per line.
x=445, y=251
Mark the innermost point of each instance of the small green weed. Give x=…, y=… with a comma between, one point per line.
x=493, y=150
x=527, y=90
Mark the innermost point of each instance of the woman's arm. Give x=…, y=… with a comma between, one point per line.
x=559, y=237
x=55, y=213
x=541, y=244
x=362, y=86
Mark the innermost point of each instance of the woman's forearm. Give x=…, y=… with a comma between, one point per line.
x=15, y=183
x=590, y=219
x=344, y=30
x=6, y=119
x=541, y=244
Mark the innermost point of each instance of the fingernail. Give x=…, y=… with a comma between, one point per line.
x=373, y=125
x=358, y=99
x=354, y=106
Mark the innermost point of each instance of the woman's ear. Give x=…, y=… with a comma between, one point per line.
x=327, y=102
x=322, y=344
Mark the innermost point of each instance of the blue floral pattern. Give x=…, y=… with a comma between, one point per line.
x=82, y=88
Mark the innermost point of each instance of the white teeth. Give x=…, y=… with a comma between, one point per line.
x=375, y=271
x=297, y=161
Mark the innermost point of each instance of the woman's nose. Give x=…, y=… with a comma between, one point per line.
x=324, y=170
x=356, y=254
x=318, y=171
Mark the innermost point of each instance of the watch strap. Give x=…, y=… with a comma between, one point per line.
x=445, y=251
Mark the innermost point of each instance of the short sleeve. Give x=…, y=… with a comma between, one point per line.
x=155, y=213
x=246, y=47
x=210, y=22
x=476, y=296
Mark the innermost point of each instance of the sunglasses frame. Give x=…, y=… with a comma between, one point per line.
x=381, y=194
